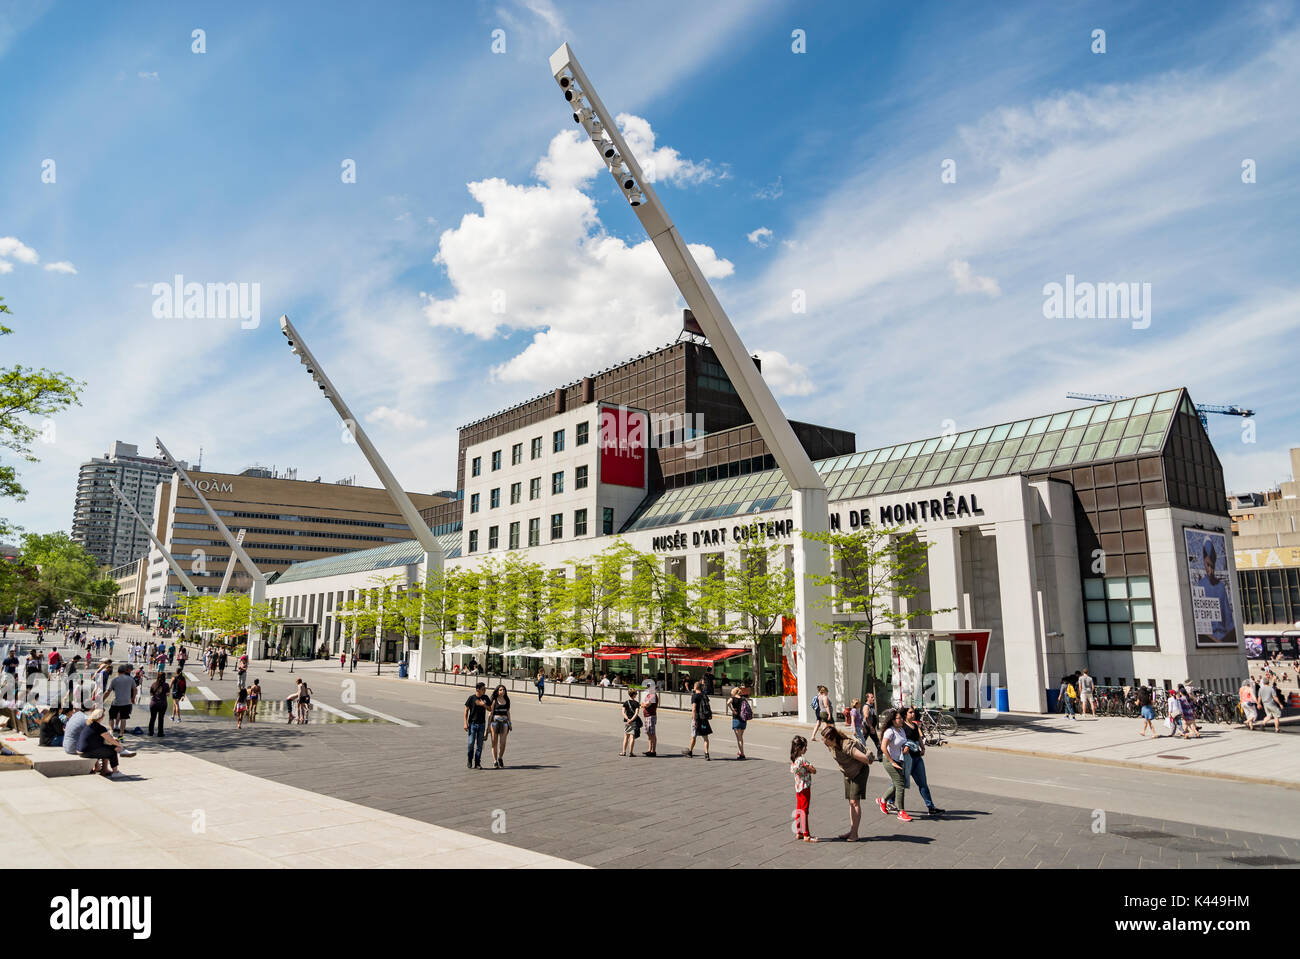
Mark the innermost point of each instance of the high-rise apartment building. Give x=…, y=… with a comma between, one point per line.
x=99, y=521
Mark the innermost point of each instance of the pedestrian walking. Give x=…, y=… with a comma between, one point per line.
x=178, y=687
x=1189, y=714
x=741, y=713
x=631, y=724
x=1246, y=699
x=353, y=667
x=221, y=664
x=121, y=695
x=241, y=670
x=1087, y=686
x=1066, y=695
x=803, y=772
x=241, y=706
x=540, y=682
x=894, y=740
x=499, y=725
x=914, y=759
x=1147, y=711
x=701, y=713
x=210, y=660
x=1270, y=702
x=823, y=709
x=254, y=697
x=871, y=725
x=854, y=763
x=158, y=705
x=476, y=707
x=650, y=716
x=1174, y=714
x=343, y=661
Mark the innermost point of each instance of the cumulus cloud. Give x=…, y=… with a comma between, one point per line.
x=772, y=191
x=60, y=266
x=12, y=248
x=761, y=237
x=151, y=75
x=785, y=378
x=536, y=258
x=398, y=419
x=970, y=282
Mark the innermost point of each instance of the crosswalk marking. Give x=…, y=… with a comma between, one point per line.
x=191, y=677
x=207, y=693
x=375, y=712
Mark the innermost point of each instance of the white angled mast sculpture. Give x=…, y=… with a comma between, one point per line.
x=180, y=573
x=433, y=555
x=809, y=501
x=230, y=564
x=258, y=592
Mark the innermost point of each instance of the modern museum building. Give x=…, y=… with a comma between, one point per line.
x=1096, y=537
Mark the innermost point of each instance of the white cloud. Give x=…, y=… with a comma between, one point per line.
x=60, y=266
x=538, y=259
x=151, y=75
x=762, y=237
x=6, y=266
x=785, y=378
x=398, y=419
x=969, y=282
x=12, y=248
x=773, y=191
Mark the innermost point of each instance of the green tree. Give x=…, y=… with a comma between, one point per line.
x=871, y=567
x=594, y=595
x=755, y=588
x=657, y=602
x=60, y=571
x=27, y=392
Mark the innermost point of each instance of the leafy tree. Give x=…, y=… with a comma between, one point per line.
x=594, y=594
x=756, y=588
x=871, y=567
x=657, y=601
x=58, y=570
x=27, y=392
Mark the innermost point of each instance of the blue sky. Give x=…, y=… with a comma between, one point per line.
x=816, y=172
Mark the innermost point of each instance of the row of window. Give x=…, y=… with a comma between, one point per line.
x=580, y=481
x=313, y=534
x=535, y=530
x=1120, y=612
x=582, y=434
x=293, y=519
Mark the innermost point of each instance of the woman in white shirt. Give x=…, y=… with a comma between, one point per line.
x=893, y=742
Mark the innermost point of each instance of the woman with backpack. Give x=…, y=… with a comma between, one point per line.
x=631, y=724
x=741, y=713
x=1066, y=694
x=540, y=682
x=701, y=713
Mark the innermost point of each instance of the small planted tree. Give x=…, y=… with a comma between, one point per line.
x=594, y=594
x=658, y=602
x=871, y=567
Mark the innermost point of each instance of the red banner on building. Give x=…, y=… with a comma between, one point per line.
x=623, y=439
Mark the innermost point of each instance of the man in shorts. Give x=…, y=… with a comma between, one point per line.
x=650, y=715
x=121, y=693
x=1269, y=702
x=1086, y=687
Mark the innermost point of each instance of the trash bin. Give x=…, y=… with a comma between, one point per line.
x=401, y=670
x=1004, y=700
x=1052, y=694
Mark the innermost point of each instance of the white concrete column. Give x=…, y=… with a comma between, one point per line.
x=1022, y=634
x=947, y=588
x=819, y=661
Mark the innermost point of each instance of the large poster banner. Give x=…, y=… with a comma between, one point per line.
x=1207, y=572
x=623, y=437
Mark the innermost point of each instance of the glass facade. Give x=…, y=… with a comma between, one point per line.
x=1270, y=595
x=1120, y=612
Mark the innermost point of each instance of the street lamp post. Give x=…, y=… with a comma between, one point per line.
x=809, y=501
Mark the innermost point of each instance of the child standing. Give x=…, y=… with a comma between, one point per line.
x=241, y=707
x=803, y=772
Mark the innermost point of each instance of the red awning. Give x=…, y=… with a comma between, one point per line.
x=711, y=656
x=618, y=652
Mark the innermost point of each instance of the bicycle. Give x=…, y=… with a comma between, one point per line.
x=936, y=726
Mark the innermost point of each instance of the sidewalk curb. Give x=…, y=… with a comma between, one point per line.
x=1122, y=764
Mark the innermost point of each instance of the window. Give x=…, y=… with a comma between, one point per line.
x=534, y=532
x=535, y=449
x=557, y=483
x=516, y=491
x=494, y=498
x=580, y=434
x=516, y=454
x=494, y=537
x=535, y=487
x=496, y=460
x=557, y=441
x=607, y=521
x=514, y=535
x=580, y=522
x=473, y=502
x=580, y=477
x=476, y=466
x=473, y=541
x=1120, y=612
x=557, y=525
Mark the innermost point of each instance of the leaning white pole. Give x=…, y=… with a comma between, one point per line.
x=230, y=564
x=810, y=500
x=433, y=555
x=180, y=573
x=258, y=592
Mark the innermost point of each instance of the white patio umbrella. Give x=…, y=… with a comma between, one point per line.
x=521, y=651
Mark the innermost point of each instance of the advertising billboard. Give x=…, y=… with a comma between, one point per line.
x=1207, y=572
x=623, y=439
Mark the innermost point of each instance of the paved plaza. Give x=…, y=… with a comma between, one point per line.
x=387, y=761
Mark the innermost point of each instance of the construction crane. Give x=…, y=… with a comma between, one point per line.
x=1201, y=408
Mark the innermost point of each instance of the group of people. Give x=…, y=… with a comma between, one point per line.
x=1262, y=697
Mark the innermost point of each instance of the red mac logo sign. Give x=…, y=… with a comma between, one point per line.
x=622, y=446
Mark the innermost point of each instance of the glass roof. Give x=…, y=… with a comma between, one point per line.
x=1054, y=441
x=364, y=560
